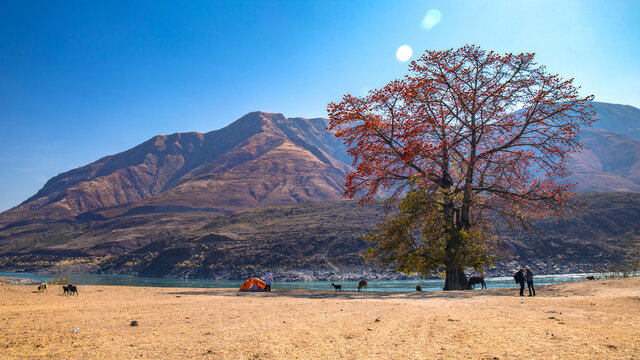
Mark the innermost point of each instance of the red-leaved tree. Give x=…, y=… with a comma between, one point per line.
x=475, y=133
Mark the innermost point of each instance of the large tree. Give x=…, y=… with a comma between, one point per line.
x=469, y=135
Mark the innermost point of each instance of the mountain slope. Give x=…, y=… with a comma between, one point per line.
x=279, y=160
x=610, y=164
x=301, y=241
x=264, y=170
x=622, y=119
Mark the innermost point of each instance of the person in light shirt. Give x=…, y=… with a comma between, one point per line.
x=268, y=277
x=529, y=277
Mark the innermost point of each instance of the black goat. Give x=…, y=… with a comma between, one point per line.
x=70, y=289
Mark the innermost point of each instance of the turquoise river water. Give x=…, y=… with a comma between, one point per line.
x=374, y=285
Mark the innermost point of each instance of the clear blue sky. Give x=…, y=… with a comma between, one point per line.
x=83, y=79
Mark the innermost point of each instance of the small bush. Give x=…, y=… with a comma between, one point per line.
x=61, y=280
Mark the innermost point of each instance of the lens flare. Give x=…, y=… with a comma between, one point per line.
x=404, y=53
x=432, y=18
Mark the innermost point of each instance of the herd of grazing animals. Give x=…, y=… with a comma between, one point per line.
x=362, y=286
x=473, y=280
x=66, y=290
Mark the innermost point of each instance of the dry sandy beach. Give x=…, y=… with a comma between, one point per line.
x=585, y=320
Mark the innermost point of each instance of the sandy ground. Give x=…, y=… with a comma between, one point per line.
x=586, y=320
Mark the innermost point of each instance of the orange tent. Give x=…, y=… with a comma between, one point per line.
x=253, y=284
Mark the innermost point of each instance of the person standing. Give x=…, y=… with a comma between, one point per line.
x=519, y=278
x=268, y=277
x=529, y=277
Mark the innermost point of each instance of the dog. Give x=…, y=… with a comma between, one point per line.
x=591, y=277
x=477, y=280
x=362, y=285
x=337, y=287
x=42, y=287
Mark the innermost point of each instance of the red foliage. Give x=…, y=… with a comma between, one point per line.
x=494, y=129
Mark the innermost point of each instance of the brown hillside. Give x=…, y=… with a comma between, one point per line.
x=317, y=240
x=259, y=159
x=622, y=119
x=612, y=163
x=264, y=170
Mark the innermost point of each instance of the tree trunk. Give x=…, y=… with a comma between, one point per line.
x=455, y=279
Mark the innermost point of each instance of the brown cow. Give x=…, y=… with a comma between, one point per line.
x=477, y=280
x=362, y=285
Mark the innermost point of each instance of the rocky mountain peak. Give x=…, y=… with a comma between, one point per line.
x=254, y=122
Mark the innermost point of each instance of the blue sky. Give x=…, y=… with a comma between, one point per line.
x=84, y=79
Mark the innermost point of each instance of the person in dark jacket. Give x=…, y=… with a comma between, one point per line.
x=529, y=277
x=519, y=278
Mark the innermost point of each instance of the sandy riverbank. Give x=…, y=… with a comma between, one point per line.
x=587, y=320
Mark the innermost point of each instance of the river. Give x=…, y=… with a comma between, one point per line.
x=374, y=285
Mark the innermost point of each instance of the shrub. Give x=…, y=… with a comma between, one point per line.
x=61, y=280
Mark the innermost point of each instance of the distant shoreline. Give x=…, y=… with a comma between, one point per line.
x=374, y=284
x=342, y=273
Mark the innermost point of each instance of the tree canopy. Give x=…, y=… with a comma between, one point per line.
x=473, y=134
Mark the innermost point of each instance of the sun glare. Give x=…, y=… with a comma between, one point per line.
x=431, y=19
x=404, y=53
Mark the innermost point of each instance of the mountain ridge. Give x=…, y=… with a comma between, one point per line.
x=166, y=161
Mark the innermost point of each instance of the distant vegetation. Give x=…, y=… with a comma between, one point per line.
x=628, y=267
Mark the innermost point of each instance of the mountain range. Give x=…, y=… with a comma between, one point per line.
x=266, y=159
x=175, y=184
x=260, y=159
